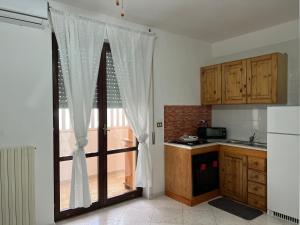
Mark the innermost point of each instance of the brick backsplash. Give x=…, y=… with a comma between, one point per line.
x=181, y=120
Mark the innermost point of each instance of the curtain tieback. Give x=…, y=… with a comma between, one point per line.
x=81, y=143
x=142, y=138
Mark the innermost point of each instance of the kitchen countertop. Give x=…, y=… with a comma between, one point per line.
x=213, y=144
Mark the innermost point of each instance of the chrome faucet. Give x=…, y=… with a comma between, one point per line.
x=251, y=138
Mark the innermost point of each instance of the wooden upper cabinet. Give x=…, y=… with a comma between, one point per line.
x=257, y=80
x=267, y=79
x=211, y=85
x=234, y=82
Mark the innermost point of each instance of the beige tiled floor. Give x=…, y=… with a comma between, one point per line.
x=165, y=211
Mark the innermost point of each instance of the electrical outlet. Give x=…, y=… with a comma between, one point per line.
x=159, y=124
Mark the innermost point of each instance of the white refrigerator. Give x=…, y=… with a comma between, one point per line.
x=283, y=140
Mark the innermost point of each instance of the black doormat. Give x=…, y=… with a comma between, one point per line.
x=235, y=208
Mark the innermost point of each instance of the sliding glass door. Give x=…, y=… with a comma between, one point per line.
x=111, y=151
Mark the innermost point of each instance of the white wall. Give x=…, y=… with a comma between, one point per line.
x=26, y=103
x=177, y=63
x=242, y=120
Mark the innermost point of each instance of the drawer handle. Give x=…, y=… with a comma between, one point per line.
x=255, y=189
x=256, y=176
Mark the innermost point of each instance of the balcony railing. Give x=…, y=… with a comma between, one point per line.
x=115, y=118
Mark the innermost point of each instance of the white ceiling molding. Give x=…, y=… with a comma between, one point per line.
x=272, y=35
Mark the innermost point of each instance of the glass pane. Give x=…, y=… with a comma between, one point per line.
x=65, y=181
x=66, y=133
x=119, y=134
x=120, y=173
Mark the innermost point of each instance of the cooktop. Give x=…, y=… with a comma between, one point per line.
x=192, y=143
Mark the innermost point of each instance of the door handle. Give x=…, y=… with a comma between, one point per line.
x=105, y=129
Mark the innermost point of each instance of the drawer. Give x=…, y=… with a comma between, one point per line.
x=257, y=201
x=257, y=163
x=258, y=189
x=256, y=176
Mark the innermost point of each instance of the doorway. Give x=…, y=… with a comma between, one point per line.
x=112, y=149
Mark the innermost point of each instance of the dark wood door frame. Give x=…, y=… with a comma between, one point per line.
x=102, y=145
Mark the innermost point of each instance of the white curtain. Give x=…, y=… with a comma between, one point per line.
x=132, y=54
x=80, y=44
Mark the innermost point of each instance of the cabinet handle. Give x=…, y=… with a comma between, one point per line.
x=241, y=90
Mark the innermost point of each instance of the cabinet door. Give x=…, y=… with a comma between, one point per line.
x=234, y=176
x=234, y=80
x=211, y=85
x=262, y=79
x=178, y=167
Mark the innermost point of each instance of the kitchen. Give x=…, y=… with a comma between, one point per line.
x=222, y=131
x=232, y=144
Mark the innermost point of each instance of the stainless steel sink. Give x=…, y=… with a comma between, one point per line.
x=237, y=141
x=260, y=145
x=247, y=143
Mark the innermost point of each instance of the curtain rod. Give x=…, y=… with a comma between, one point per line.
x=98, y=21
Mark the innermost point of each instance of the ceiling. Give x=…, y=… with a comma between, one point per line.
x=208, y=20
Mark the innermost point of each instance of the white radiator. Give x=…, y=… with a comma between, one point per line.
x=17, y=195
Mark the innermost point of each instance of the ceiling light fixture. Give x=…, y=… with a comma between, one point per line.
x=122, y=7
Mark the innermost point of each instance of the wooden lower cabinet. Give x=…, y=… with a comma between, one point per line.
x=257, y=176
x=233, y=176
x=257, y=201
x=178, y=175
x=242, y=175
x=178, y=179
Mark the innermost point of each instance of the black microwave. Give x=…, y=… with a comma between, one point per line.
x=212, y=133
